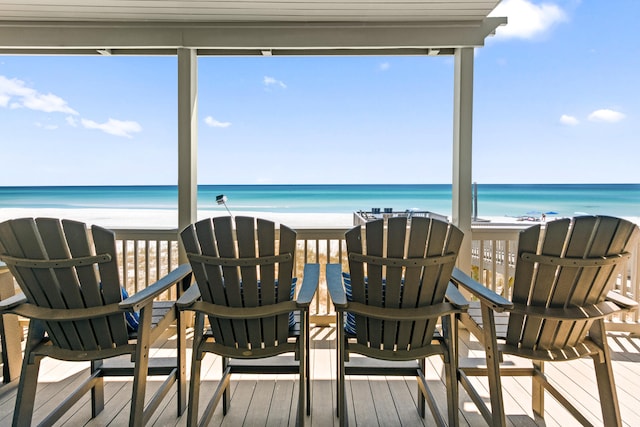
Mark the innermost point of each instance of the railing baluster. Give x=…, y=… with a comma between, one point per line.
x=493, y=254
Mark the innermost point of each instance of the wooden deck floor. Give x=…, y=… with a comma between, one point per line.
x=373, y=401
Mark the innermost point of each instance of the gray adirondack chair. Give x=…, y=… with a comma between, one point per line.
x=398, y=290
x=245, y=287
x=73, y=298
x=561, y=294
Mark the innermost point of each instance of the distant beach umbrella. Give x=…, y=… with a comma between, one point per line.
x=551, y=213
x=534, y=213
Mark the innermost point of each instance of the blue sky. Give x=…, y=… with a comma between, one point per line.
x=557, y=100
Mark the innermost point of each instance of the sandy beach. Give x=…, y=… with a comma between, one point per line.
x=168, y=218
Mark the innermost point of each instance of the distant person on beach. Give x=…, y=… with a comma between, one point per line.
x=543, y=217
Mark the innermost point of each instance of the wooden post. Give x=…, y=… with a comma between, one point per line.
x=462, y=150
x=187, y=140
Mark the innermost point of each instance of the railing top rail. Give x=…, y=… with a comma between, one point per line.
x=146, y=233
x=484, y=232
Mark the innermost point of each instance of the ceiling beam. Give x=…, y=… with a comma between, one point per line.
x=40, y=37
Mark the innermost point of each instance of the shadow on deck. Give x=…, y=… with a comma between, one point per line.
x=270, y=400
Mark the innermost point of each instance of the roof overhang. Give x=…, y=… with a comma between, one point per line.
x=245, y=27
x=243, y=38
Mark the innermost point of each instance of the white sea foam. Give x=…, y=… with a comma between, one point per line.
x=168, y=218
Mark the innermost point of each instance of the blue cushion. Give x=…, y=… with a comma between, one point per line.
x=292, y=318
x=131, y=317
x=294, y=281
x=350, y=318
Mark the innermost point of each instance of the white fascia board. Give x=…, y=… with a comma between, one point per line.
x=309, y=37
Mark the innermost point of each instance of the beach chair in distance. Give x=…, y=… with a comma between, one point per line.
x=561, y=294
x=78, y=311
x=396, y=292
x=245, y=288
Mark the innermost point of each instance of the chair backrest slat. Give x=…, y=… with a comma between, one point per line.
x=266, y=247
x=286, y=244
x=245, y=230
x=105, y=242
x=393, y=288
x=375, y=274
x=353, y=239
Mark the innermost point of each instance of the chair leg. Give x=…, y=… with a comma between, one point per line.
x=196, y=361
x=226, y=397
x=181, y=380
x=449, y=326
x=493, y=366
x=25, y=397
x=342, y=410
x=537, y=390
x=421, y=397
x=141, y=368
x=338, y=357
x=97, y=391
x=307, y=373
x=302, y=370
x=604, y=376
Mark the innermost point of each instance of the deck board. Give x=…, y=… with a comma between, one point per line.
x=272, y=400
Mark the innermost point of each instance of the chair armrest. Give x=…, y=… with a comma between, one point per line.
x=404, y=314
x=190, y=296
x=309, y=284
x=455, y=297
x=13, y=301
x=147, y=295
x=485, y=295
x=243, y=313
x=335, y=287
x=585, y=312
x=622, y=301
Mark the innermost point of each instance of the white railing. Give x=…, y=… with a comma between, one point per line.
x=145, y=256
x=150, y=254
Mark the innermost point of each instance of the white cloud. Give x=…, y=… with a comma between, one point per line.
x=568, y=120
x=215, y=123
x=384, y=66
x=72, y=121
x=48, y=103
x=114, y=127
x=15, y=94
x=47, y=127
x=525, y=19
x=270, y=81
x=606, y=115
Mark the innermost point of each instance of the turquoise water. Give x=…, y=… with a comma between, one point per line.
x=493, y=199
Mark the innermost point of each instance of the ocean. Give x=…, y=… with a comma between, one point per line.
x=493, y=199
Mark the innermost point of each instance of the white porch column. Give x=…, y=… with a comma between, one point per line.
x=187, y=139
x=462, y=162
